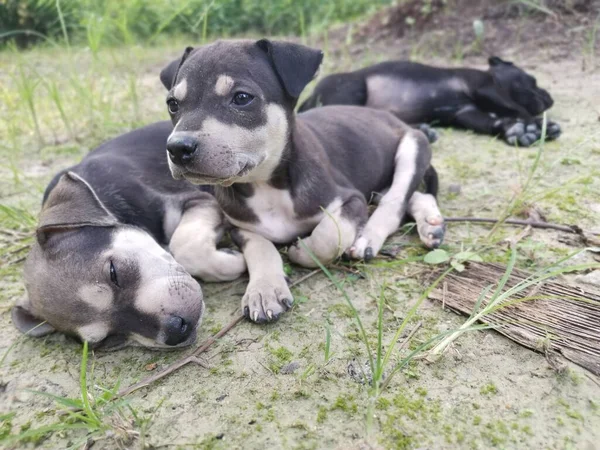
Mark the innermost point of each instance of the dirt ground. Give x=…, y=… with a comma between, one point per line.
x=281, y=385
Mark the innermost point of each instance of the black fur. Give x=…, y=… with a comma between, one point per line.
x=489, y=102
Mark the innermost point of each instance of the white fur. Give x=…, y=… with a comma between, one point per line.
x=171, y=219
x=93, y=332
x=194, y=246
x=99, y=296
x=392, y=206
x=180, y=91
x=224, y=85
x=278, y=221
x=260, y=147
x=330, y=238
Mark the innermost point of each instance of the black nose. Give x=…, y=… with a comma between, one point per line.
x=178, y=330
x=181, y=149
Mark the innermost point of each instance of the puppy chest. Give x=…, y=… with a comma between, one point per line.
x=277, y=218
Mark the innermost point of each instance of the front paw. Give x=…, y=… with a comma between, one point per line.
x=431, y=231
x=521, y=134
x=553, y=130
x=266, y=299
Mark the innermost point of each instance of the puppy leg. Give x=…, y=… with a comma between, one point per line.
x=333, y=235
x=267, y=294
x=194, y=243
x=412, y=160
x=430, y=223
x=511, y=130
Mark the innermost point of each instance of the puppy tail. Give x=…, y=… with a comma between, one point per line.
x=431, y=181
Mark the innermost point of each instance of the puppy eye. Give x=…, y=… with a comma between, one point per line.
x=242, y=98
x=173, y=105
x=113, y=275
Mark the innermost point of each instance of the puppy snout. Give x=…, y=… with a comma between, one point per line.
x=181, y=149
x=177, y=330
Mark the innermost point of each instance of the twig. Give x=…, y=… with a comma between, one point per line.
x=544, y=225
x=183, y=361
x=193, y=357
x=410, y=336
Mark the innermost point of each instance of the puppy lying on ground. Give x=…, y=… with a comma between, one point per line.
x=279, y=176
x=99, y=269
x=502, y=101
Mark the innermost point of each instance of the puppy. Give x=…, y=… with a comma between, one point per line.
x=502, y=101
x=280, y=177
x=99, y=268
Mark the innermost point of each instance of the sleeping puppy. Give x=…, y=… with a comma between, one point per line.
x=99, y=268
x=502, y=101
x=280, y=177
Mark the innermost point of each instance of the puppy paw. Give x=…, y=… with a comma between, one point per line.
x=365, y=248
x=266, y=299
x=553, y=130
x=431, y=231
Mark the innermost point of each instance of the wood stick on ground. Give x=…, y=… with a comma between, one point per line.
x=193, y=357
x=544, y=225
x=549, y=317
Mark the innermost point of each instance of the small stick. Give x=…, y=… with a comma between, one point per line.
x=193, y=357
x=545, y=225
x=410, y=336
x=183, y=361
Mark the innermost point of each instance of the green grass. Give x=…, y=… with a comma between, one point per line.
x=114, y=22
x=86, y=418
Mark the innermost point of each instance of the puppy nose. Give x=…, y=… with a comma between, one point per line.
x=181, y=149
x=177, y=330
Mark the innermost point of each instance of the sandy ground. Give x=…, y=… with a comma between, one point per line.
x=271, y=387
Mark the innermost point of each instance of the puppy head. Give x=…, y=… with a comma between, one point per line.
x=232, y=103
x=522, y=87
x=89, y=276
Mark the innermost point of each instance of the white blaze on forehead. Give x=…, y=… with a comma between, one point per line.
x=129, y=240
x=180, y=90
x=224, y=85
x=98, y=296
x=94, y=332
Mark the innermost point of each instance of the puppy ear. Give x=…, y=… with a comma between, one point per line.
x=496, y=61
x=71, y=204
x=169, y=73
x=296, y=65
x=27, y=323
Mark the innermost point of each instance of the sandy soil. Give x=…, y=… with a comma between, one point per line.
x=270, y=386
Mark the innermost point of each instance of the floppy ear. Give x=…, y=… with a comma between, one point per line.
x=27, y=323
x=296, y=65
x=169, y=73
x=72, y=204
x=496, y=61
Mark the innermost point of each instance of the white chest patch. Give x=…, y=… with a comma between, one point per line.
x=278, y=221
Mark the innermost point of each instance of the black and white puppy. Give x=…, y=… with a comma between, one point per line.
x=503, y=101
x=99, y=268
x=280, y=177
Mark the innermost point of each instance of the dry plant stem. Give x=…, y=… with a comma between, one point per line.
x=193, y=357
x=544, y=225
